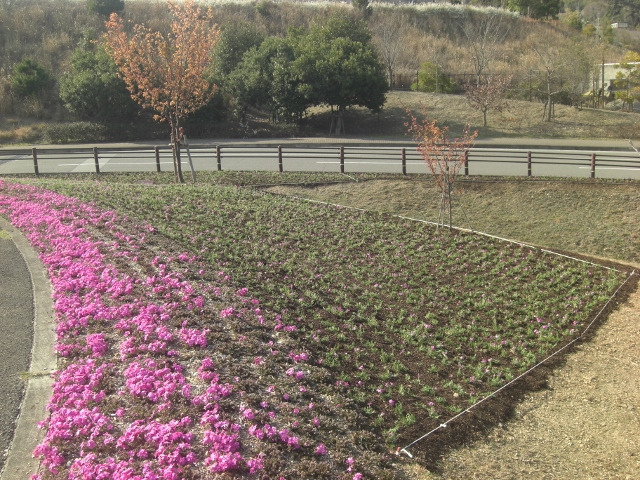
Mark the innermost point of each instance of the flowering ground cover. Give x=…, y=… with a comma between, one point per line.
x=276, y=337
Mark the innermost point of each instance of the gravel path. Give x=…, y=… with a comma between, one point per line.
x=16, y=335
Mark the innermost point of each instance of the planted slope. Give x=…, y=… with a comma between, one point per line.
x=167, y=372
x=412, y=323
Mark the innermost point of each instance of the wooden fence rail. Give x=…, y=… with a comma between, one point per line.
x=477, y=161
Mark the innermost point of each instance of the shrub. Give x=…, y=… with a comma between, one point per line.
x=574, y=20
x=432, y=79
x=30, y=78
x=76, y=132
x=92, y=88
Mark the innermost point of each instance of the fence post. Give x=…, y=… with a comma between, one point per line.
x=95, y=159
x=528, y=163
x=593, y=165
x=404, y=161
x=280, y=159
x=341, y=159
x=157, y=151
x=466, y=163
x=35, y=161
x=219, y=157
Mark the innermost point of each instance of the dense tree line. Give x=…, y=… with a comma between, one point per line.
x=285, y=59
x=333, y=63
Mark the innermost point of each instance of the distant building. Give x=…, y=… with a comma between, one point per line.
x=610, y=72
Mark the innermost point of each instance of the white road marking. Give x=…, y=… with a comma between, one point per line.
x=92, y=163
x=89, y=165
x=410, y=162
x=613, y=168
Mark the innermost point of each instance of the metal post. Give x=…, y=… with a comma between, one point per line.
x=593, y=165
x=157, y=151
x=174, y=152
x=35, y=161
x=404, y=161
x=528, y=164
x=219, y=157
x=466, y=163
x=341, y=159
x=280, y=169
x=95, y=159
x=193, y=171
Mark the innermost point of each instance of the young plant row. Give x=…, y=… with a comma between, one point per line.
x=410, y=322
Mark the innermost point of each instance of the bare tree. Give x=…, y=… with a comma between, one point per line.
x=489, y=95
x=552, y=62
x=485, y=38
x=388, y=36
x=445, y=157
x=437, y=51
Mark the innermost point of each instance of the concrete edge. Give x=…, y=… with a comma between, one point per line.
x=20, y=463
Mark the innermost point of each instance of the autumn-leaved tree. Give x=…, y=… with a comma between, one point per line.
x=166, y=73
x=445, y=157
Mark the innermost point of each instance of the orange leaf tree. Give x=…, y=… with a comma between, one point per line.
x=165, y=72
x=444, y=157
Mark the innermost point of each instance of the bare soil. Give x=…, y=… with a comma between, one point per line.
x=585, y=421
x=585, y=425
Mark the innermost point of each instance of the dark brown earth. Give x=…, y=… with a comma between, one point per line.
x=583, y=422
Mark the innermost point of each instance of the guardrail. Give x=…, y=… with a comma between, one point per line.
x=358, y=159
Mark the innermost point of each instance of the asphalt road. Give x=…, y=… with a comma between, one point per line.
x=502, y=157
x=27, y=337
x=16, y=335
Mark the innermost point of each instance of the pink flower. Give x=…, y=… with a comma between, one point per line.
x=248, y=414
x=350, y=461
x=321, y=450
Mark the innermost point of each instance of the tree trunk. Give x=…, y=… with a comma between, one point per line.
x=549, y=99
x=448, y=187
x=337, y=122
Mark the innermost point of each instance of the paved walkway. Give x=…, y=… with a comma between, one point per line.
x=27, y=358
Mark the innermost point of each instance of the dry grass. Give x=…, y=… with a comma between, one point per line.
x=593, y=218
x=520, y=119
x=15, y=131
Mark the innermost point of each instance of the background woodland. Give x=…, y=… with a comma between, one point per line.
x=46, y=46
